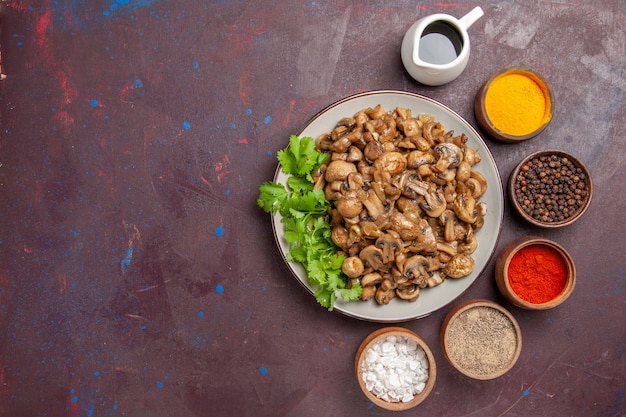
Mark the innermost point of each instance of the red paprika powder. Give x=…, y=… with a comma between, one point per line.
x=537, y=273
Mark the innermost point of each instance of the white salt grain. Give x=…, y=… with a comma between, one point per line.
x=395, y=369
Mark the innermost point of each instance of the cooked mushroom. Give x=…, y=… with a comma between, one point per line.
x=464, y=205
x=476, y=183
x=383, y=297
x=373, y=204
x=390, y=243
x=463, y=171
x=340, y=236
x=434, y=279
x=388, y=283
x=352, y=266
x=371, y=279
x=354, y=154
x=416, y=269
x=450, y=156
x=434, y=203
x=469, y=244
x=368, y=292
x=448, y=247
x=348, y=205
x=425, y=242
x=417, y=158
x=339, y=170
x=459, y=266
x=390, y=163
x=448, y=220
x=471, y=156
x=372, y=257
x=407, y=229
x=409, y=293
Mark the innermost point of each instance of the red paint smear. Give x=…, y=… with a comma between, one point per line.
x=221, y=168
x=244, y=87
x=70, y=92
x=64, y=118
x=292, y=104
x=62, y=280
x=204, y=180
x=41, y=28
x=243, y=140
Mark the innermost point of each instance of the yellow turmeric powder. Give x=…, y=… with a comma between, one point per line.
x=517, y=104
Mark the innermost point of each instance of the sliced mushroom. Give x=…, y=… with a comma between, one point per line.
x=388, y=283
x=476, y=183
x=463, y=171
x=383, y=297
x=469, y=244
x=481, y=212
x=368, y=292
x=425, y=242
x=448, y=247
x=416, y=269
x=373, y=204
x=416, y=159
x=450, y=156
x=373, y=150
x=434, y=279
x=410, y=127
x=372, y=257
x=390, y=243
x=371, y=279
x=464, y=205
x=354, y=154
x=407, y=229
x=459, y=266
x=471, y=156
x=448, y=220
x=434, y=203
x=390, y=163
x=352, y=266
x=409, y=293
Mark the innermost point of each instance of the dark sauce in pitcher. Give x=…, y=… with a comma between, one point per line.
x=440, y=43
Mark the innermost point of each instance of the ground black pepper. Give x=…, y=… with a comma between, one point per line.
x=550, y=188
x=481, y=341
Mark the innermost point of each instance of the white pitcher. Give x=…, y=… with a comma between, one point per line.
x=436, y=48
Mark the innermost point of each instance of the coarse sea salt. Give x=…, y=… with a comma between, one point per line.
x=395, y=369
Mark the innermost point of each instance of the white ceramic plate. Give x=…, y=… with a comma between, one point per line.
x=430, y=299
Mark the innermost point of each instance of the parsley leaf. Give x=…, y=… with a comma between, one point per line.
x=303, y=210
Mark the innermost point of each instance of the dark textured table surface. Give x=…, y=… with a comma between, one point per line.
x=139, y=278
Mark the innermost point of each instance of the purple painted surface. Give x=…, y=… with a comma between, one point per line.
x=137, y=275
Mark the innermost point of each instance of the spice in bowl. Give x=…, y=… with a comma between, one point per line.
x=550, y=188
x=395, y=368
x=514, y=105
x=535, y=273
x=481, y=339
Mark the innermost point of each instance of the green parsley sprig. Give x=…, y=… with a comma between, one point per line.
x=303, y=210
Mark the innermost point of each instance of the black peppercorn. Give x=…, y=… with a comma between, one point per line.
x=550, y=188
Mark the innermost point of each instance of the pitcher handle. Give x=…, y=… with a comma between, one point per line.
x=469, y=19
